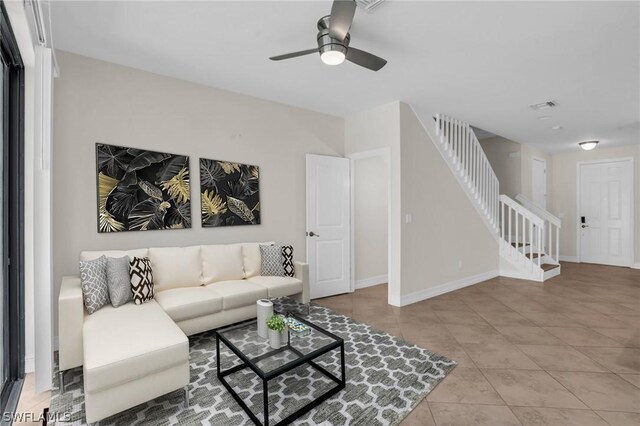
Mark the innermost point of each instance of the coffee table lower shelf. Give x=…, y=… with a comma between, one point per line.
x=304, y=359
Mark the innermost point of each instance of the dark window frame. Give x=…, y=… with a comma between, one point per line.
x=13, y=235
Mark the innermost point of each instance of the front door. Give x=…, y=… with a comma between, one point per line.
x=328, y=225
x=604, y=212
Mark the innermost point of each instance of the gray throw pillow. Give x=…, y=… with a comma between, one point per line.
x=272, y=261
x=118, y=280
x=93, y=280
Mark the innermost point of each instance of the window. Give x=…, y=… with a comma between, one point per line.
x=11, y=216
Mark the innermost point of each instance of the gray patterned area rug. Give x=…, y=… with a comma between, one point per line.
x=386, y=378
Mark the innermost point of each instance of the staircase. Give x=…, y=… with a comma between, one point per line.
x=528, y=236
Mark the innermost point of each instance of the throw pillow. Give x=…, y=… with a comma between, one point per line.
x=93, y=280
x=271, y=261
x=118, y=280
x=141, y=280
x=287, y=261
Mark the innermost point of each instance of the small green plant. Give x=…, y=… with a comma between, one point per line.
x=276, y=323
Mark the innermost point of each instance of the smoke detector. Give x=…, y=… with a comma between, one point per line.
x=543, y=105
x=369, y=5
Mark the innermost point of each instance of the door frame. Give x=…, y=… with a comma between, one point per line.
x=546, y=181
x=632, y=218
x=385, y=154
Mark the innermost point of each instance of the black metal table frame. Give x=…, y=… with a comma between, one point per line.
x=303, y=359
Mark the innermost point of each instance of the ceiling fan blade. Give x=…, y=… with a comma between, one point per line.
x=342, y=13
x=365, y=59
x=294, y=54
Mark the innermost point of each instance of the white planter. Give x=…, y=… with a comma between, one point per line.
x=265, y=310
x=274, y=339
x=284, y=336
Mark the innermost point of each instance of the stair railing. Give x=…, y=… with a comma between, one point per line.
x=551, y=238
x=521, y=233
x=467, y=155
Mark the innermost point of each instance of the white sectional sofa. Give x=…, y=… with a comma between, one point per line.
x=135, y=353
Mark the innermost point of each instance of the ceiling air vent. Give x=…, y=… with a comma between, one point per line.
x=543, y=105
x=369, y=5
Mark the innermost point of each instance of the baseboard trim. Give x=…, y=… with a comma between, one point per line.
x=635, y=265
x=428, y=293
x=370, y=282
x=573, y=259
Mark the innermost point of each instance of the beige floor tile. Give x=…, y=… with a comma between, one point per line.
x=561, y=358
x=532, y=416
x=615, y=418
x=472, y=415
x=420, y=416
x=447, y=305
x=528, y=335
x=577, y=336
x=612, y=308
x=601, y=391
x=634, y=379
x=460, y=317
x=475, y=334
x=465, y=385
x=499, y=355
x=546, y=319
x=451, y=350
x=492, y=305
x=618, y=360
x=629, y=337
x=597, y=320
x=505, y=318
x=434, y=333
x=530, y=388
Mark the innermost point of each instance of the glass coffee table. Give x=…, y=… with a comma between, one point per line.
x=285, y=373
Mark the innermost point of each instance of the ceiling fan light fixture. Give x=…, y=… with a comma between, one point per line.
x=332, y=57
x=588, y=145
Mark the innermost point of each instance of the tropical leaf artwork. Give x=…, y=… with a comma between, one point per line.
x=141, y=190
x=229, y=193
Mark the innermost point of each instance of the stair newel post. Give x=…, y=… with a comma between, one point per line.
x=557, y=244
x=531, y=242
x=540, y=233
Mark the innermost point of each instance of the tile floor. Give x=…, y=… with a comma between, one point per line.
x=566, y=352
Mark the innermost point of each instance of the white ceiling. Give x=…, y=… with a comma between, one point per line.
x=482, y=62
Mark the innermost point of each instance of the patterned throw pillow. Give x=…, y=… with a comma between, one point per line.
x=271, y=261
x=287, y=261
x=93, y=280
x=118, y=280
x=141, y=280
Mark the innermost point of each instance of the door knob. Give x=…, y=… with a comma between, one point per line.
x=312, y=234
x=585, y=226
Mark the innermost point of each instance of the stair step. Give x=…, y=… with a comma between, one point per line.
x=520, y=244
x=548, y=266
x=532, y=255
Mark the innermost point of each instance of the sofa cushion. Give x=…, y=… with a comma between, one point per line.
x=221, y=263
x=272, y=261
x=142, y=284
x=119, y=280
x=189, y=302
x=129, y=342
x=93, y=277
x=278, y=286
x=238, y=293
x=252, y=259
x=175, y=267
x=90, y=255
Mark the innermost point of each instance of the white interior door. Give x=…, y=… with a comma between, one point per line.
x=604, y=213
x=539, y=182
x=328, y=225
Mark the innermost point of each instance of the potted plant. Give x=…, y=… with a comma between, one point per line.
x=276, y=326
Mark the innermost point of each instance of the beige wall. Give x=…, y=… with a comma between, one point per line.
x=565, y=188
x=528, y=153
x=508, y=168
x=96, y=101
x=445, y=228
x=370, y=178
x=374, y=129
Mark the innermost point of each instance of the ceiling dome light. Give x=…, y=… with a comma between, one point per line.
x=332, y=57
x=588, y=145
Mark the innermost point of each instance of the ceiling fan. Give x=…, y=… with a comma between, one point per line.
x=333, y=40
